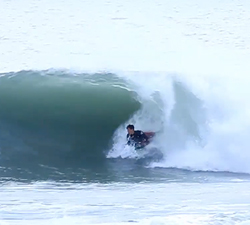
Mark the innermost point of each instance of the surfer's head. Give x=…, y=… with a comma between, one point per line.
x=131, y=129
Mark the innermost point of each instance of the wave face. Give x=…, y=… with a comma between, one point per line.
x=55, y=115
x=63, y=117
x=51, y=116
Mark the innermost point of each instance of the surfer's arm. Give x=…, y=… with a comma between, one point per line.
x=128, y=140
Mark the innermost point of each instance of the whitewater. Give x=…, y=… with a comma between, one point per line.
x=73, y=75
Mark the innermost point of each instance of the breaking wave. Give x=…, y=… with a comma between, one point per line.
x=54, y=115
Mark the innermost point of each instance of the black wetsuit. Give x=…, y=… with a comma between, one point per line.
x=139, y=139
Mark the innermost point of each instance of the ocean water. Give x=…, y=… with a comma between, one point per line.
x=74, y=74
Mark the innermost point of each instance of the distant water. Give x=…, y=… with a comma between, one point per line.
x=74, y=74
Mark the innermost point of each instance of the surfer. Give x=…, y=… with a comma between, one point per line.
x=136, y=137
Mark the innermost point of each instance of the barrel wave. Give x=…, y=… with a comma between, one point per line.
x=68, y=118
x=57, y=115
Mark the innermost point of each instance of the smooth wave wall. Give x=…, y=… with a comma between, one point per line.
x=55, y=114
